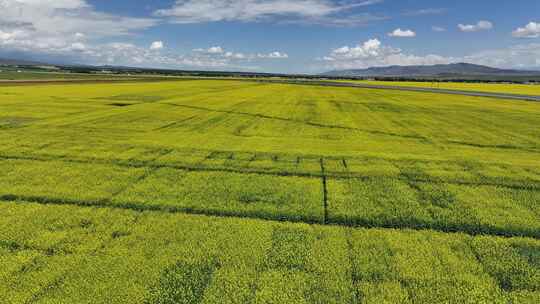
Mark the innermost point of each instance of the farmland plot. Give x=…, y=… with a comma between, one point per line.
x=245, y=192
x=50, y=253
x=520, y=89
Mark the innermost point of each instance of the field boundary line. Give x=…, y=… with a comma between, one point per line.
x=199, y=167
x=106, y=203
x=325, y=191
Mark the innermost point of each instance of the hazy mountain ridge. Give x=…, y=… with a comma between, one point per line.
x=428, y=70
x=439, y=71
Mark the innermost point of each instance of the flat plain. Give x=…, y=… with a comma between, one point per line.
x=222, y=191
x=504, y=88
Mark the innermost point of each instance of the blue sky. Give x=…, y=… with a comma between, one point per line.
x=290, y=36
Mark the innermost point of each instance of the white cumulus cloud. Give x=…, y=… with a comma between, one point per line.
x=531, y=30
x=373, y=53
x=210, y=50
x=119, y=53
x=274, y=55
x=78, y=46
x=215, y=50
x=482, y=25
x=402, y=33
x=517, y=56
x=234, y=55
x=55, y=25
x=157, y=45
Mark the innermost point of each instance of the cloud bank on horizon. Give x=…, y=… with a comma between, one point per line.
x=270, y=35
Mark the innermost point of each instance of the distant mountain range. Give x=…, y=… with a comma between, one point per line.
x=438, y=70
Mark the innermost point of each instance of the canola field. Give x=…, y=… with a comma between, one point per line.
x=518, y=89
x=215, y=191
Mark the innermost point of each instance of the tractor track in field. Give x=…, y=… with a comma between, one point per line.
x=308, y=123
x=409, y=89
x=354, y=267
x=107, y=203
